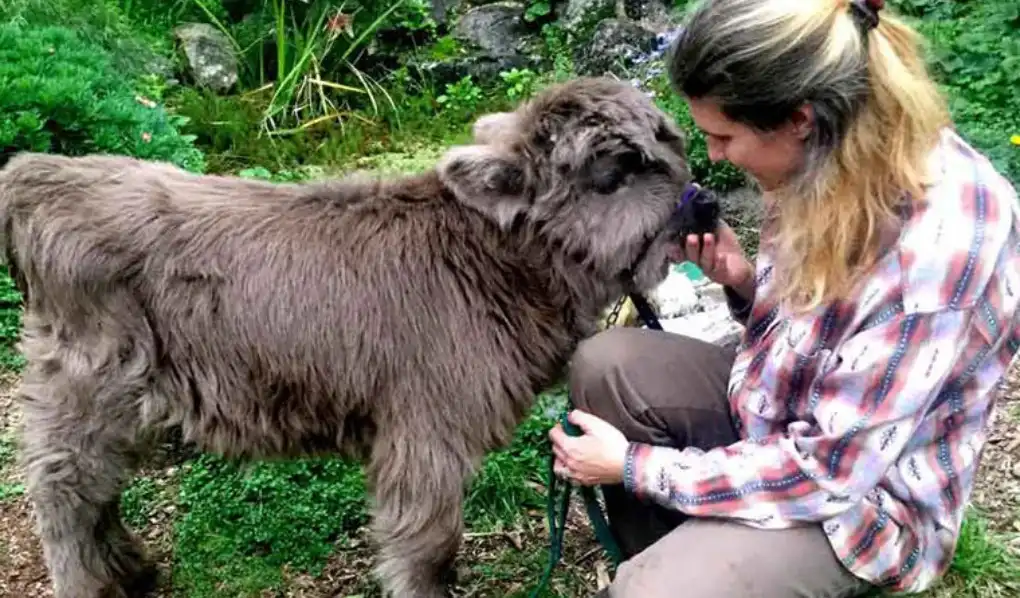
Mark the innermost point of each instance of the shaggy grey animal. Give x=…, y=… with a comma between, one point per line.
x=407, y=323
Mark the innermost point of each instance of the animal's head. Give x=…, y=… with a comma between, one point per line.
x=592, y=166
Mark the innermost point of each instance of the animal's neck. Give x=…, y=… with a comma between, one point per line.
x=537, y=273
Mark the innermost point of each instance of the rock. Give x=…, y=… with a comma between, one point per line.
x=714, y=325
x=582, y=15
x=695, y=309
x=208, y=55
x=479, y=68
x=615, y=47
x=656, y=15
x=445, y=11
x=675, y=297
x=496, y=30
x=493, y=38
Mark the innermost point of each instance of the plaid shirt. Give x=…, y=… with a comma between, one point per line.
x=868, y=415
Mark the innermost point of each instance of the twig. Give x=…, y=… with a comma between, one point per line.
x=586, y=555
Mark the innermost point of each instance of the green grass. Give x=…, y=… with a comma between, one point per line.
x=982, y=559
x=241, y=523
x=8, y=490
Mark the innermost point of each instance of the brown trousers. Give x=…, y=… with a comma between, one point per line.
x=666, y=389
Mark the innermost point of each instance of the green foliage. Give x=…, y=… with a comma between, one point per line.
x=536, y=10
x=242, y=523
x=60, y=94
x=227, y=127
x=461, y=97
x=303, y=55
x=974, y=51
x=134, y=33
x=8, y=450
x=139, y=500
x=980, y=557
x=282, y=176
x=520, y=83
x=10, y=326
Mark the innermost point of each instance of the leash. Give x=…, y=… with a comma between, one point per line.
x=697, y=206
x=557, y=518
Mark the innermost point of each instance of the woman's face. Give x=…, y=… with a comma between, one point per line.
x=771, y=158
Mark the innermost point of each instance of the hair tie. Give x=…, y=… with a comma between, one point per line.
x=867, y=11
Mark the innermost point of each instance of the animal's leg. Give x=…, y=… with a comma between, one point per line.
x=418, y=486
x=78, y=448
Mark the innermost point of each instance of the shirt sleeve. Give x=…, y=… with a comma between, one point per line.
x=885, y=380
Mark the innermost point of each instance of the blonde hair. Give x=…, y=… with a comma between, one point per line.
x=878, y=115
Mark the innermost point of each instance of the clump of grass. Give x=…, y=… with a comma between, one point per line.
x=242, y=523
x=982, y=558
x=512, y=480
x=10, y=323
x=8, y=489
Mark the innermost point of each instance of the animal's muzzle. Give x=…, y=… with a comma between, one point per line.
x=696, y=212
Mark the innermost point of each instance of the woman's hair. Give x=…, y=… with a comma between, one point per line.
x=877, y=118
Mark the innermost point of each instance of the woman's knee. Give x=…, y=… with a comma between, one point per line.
x=598, y=363
x=601, y=357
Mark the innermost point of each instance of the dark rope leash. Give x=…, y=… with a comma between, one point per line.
x=698, y=212
x=558, y=520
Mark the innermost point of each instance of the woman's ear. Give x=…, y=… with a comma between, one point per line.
x=803, y=121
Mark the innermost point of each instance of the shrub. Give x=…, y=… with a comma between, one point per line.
x=61, y=94
x=975, y=54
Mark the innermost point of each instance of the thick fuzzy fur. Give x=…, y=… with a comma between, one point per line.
x=407, y=322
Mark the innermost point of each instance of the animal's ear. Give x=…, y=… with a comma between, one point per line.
x=490, y=179
x=490, y=127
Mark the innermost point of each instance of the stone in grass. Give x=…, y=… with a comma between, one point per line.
x=614, y=48
x=208, y=56
x=714, y=325
x=675, y=296
x=696, y=308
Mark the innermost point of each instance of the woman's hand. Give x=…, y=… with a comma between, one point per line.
x=720, y=258
x=596, y=457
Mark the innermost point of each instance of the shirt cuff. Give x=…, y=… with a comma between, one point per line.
x=631, y=464
x=740, y=308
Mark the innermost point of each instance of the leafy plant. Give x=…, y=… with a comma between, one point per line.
x=536, y=10
x=461, y=97
x=243, y=522
x=60, y=94
x=974, y=52
x=298, y=53
x=520, y=83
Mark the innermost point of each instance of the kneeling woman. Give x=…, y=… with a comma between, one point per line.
x=835, y=450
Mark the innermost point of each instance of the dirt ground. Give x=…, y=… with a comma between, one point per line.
x=22, y=574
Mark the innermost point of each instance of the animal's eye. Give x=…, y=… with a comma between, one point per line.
x=610, y=172
x=608, y=179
